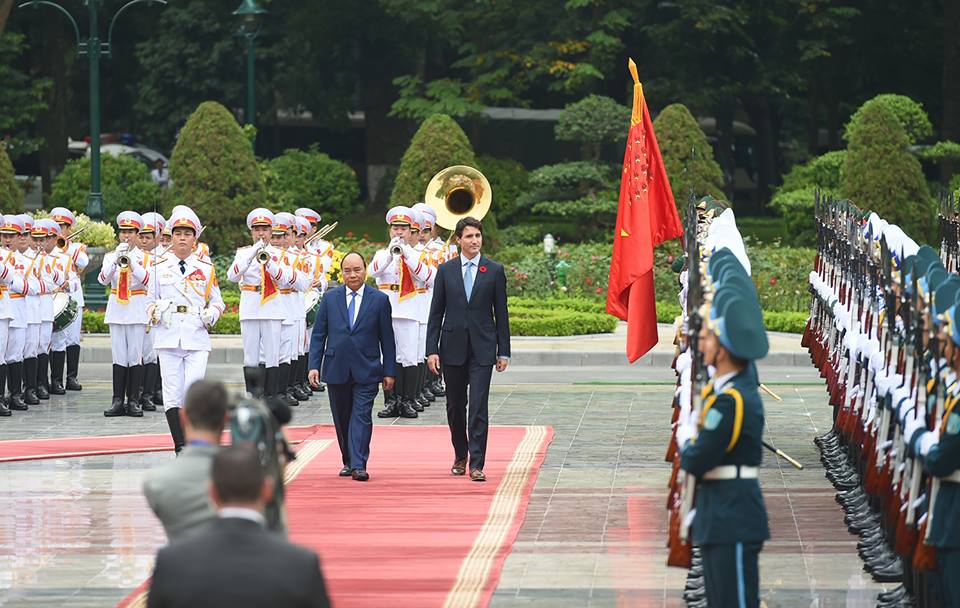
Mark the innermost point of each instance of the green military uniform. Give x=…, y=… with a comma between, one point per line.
x=940, y=450
x=730, y=523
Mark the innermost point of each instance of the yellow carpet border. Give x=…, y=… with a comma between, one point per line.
x=475, y=569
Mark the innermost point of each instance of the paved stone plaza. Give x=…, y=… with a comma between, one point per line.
x=77, y=532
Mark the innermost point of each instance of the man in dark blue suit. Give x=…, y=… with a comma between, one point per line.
x=353, y=330
x=468, y=332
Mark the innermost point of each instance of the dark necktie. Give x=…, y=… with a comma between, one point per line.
x=183, y=267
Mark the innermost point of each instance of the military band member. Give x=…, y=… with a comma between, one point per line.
x=323, y=249
x=8, y=282
x=31, y=343
x=151, y=393
x=16, y=266
x=723, y=450
x=51, y=269
x=260, y=275
x=312, y=264
x=166, y=238
x=396, y=270
x=65, y=344
x=126, y=314
x=185, y=304
x=282, y=239
x=435, y=253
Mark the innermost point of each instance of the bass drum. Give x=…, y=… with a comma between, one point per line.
x=64, y=311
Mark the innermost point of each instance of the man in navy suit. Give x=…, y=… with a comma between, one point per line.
x=468, y=332
x=353, y=345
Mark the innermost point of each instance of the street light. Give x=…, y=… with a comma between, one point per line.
x=93, y=49
x=549, y=244
x=249, y=13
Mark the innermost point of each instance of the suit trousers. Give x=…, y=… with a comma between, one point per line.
x=351, y=405
x=16, y=336
x=731, y=574
x=260, y=336
x=126, y=342
x=468, y=390
x=180, y=369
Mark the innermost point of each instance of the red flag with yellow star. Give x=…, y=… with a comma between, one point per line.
x=646, y=217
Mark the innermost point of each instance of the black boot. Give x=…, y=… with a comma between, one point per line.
x=176, y=431
x=297, y=381
x=408, y=402
x=250, y=376
x=4, y=408
x=283, y=386
x=157, y=396
x=421, y=396
x=119, y=386
x=73, y=368
x=391, y=404
x=150, y=372
x=15, y=378
x=43, y=383
x=304, y=383
x=271, y=381
x=30, y=381
x=134, y=379
x=57, y=360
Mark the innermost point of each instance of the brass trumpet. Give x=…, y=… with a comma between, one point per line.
x=62, y=240
x=263, y=256
x=396, y=249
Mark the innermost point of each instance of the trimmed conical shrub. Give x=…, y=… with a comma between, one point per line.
x=215, y=173
x=881, y=174
x=11, y=196
x=687, y=156
x=438, y=143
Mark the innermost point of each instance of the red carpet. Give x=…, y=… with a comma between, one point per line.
x=413, y=535
x=71, y=447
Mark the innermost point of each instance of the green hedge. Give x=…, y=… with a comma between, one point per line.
x=229, y=323
x=545, y=322
x=790, y=322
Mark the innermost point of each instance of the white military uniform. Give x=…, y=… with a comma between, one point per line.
x=187, y=302
x=76, y=253
x=127, y=306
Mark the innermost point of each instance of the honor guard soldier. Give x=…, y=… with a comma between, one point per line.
x=51, y=270
x=151, y=393
x=31, y=343
x=65, y=344
x=722, y=447
x=185, y=304
x=282, y=239
x=396, y=271
x=422, y=299
x=435, y=252
x=8, y=282
x=126, y=314
x=260, y=275
x=15, y=268
x=312, y=264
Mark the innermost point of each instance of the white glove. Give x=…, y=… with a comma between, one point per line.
x=683, y=361
x=122, y=248
x=912, y=424
x=685, y=432
x=927, y=441
x=208, y=316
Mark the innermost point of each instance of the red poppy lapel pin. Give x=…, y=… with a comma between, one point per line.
x=483, y=269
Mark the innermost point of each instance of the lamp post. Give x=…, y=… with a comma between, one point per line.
x=94, y=49
x=549, y=248
x=249, y=13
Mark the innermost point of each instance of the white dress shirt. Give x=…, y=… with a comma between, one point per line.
x=475, y=260
x=243, y=513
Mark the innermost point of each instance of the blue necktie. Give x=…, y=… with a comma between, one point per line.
x=468, y=280
x=352, y=308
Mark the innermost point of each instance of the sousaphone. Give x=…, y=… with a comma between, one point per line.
x=457, y=192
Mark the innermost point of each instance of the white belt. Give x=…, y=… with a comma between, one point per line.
x=952, y=478
x=731, y=471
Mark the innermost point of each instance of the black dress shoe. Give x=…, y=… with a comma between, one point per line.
x=407, y=410
x=423, y=401
x=73, y=384
x=4, y=409
x=428, y=395
x=416, y=405
x=390, y=410
x=56, y=388
x=15, y=402
x=116, y=409
x=42, y=393
x=157, y=398
x=298, y=393
x=894, y=594
x=893, y=573
x=360, y=475
x=30, y=397
x=438, y=390
x=322, y=387
x=345, y=472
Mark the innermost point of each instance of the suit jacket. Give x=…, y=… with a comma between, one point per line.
x=341, y=353
x=482, y=323
x=179, y=492
x=236, y=563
